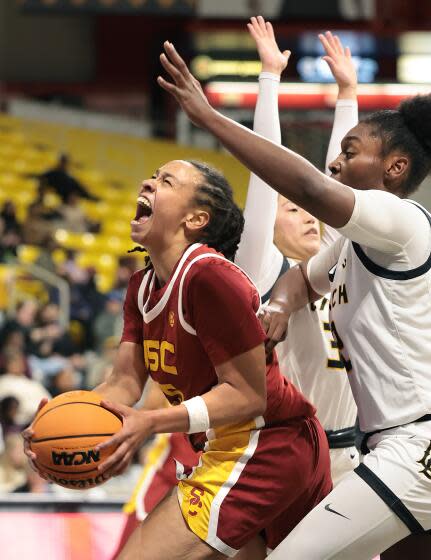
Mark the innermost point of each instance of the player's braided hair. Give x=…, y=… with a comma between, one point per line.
x=407, y=129
x=224, y=229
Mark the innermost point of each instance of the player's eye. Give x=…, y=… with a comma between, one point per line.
x=168, y=182
x=349, y=155
x=293, y=209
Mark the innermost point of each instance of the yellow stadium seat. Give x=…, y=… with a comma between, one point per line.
x=27, y=254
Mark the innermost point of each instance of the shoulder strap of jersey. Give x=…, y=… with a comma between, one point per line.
x=150, y=314
x=142, y=288
x=186, y=326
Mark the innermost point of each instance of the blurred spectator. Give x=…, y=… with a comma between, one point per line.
x=102, y=365
x=10, y=232
x=60, y=179
x=48, y=336
x=42, y=219
x=28, y=392
x=16, y=331
x=45, y=258
x=8, y=215
x=72, y=215
x=8, y=415
x=109, y=322
x=13, y=471
x=126, y=267
x=67, y=379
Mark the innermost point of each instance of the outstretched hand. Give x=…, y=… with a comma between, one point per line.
x=273, y=60
x=340, y=62
x=185, y=87
x=136, y=429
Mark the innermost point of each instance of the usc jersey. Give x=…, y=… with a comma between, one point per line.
x=202, y=317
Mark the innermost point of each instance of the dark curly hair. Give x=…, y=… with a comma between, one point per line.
x=224, y=229
x=407, y=129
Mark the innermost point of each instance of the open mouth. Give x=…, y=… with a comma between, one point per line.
x=312, y=231
x=144, y=210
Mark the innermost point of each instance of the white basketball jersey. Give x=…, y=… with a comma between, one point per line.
x=309, y=357
x=382, y=319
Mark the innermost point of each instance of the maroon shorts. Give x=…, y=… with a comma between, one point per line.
x=256, y=481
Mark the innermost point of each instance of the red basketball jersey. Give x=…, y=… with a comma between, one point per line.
x=203, y=316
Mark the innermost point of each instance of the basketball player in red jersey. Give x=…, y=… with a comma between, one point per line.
x=190, y=323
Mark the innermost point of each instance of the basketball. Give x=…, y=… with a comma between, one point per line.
x=66, y=432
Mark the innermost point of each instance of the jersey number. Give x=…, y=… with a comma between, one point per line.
x=333, y=363
x=347, y=363
x=155, y=355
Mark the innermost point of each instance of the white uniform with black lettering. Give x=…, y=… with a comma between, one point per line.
x=380, y=280
x=309, y=357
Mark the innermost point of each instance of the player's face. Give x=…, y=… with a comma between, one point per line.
x=296, y=232
x=360, y=164
x=164, y=204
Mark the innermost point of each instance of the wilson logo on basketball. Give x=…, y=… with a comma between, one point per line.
x=75, y=458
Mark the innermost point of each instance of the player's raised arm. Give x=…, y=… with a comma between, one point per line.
x=339, y=60
x=287, y=172
x=257, y=254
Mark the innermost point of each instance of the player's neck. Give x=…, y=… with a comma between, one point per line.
x=164, y=260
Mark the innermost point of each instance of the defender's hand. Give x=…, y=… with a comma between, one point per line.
x=273, y=60
x=186, y=89
x=340, y=62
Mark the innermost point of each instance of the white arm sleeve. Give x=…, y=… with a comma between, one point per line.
x=345, y=118
x=257, y=255
x=395, y=233
x=319, y=266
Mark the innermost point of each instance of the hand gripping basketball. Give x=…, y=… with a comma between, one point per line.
x=137, y=427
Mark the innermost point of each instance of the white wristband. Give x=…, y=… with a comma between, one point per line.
x=199, y=420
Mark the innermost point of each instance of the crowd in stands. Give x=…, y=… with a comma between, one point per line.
x=40, y=354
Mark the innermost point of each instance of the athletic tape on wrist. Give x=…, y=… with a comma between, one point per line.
x=198, y=415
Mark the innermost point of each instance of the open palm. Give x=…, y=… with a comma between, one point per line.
x=339, y=60
x=273, y=60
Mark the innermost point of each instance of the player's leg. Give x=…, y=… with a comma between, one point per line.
x=358, y=520
x=164, y=535
x=351, y=522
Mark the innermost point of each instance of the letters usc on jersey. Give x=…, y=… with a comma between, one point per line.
x=203, y=316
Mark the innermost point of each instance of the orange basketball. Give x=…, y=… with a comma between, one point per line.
x=66, y=431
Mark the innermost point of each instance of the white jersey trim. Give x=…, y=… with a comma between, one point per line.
x=158, y=308
x=186, y=326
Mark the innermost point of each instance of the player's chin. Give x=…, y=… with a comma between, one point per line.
x=312, y=244
x=139, y=232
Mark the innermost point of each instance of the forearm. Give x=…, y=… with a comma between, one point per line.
x=292, y=291
x=119, y=392
x=287, y=172
x=257, y=254
x=226, y=404
x=345, y=118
